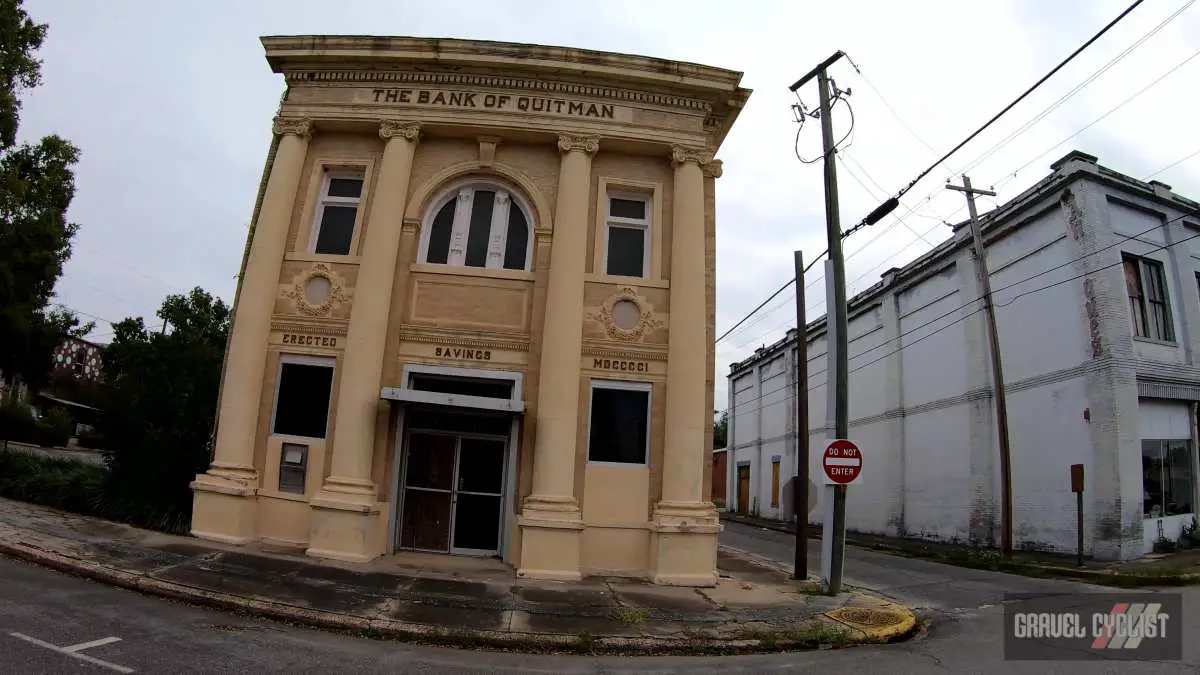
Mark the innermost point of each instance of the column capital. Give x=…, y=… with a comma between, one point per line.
x=588, y=144
x=294, y=126
x=683, y=154
x=409, y=131
x=713, y=169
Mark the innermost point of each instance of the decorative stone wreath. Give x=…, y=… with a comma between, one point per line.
x=627, y=316
x=334, y=293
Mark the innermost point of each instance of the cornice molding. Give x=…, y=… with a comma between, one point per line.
x=281, y=326
x=497, y=82
x=616, y=351
x=419, y=334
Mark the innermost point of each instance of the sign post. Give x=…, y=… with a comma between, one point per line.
x=841, y=465
x=1077, y=488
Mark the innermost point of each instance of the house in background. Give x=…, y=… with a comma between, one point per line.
x=720, y=468
x=1096, y=282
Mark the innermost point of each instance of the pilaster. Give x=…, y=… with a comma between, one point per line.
x=223, y=507
x=685, y=525
x=550, y=518
x=346, y=509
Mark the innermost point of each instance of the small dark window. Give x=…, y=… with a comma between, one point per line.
x=627, y=208
x=480, y=232
x=302, y=404
x=518, y=240
x=619, y=427
x=440, y=233
x=293, y=468
x=338, y=211
x=626, y=251
x=1146, y=287
x=465, y=386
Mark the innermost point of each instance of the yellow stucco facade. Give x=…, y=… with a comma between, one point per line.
x=476, y=313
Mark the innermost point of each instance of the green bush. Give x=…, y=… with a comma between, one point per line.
x=17, y=422
x=81, y=488
x=55, y=428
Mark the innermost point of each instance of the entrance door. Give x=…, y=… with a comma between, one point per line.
x=453, y=493
x=743, y=489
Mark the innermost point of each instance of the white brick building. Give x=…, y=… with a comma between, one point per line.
x=1096, y=278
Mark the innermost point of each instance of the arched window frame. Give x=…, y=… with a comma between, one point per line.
x=464, y=191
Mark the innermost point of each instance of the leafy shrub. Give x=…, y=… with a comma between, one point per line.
x=17, y=422
x=81, y=488
x=92, y=439
x=55, y=427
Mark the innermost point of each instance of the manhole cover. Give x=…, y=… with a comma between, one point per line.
x=866, y=617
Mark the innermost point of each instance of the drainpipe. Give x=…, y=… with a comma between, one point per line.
x=262, y=188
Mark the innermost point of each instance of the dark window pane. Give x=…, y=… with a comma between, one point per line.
x=477, y=522
x=518, y=239
x=440, y=233
x=441, y=418
x=337, y=230
x=492, y=388
x=481, y=228
x=627, y=208
x=481, y=465
x=626, y=251
x=345, y=187
x=618, y=426
x=430, y=461
x=302, y=407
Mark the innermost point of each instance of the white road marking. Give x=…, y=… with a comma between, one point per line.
x=75, y=655
x=94, y=643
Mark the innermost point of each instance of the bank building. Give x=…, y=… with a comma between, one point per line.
x=476, y=312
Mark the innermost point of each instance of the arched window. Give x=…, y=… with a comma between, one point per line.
x=477, y=225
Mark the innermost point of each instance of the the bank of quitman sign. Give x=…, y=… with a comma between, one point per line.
x=486, y=101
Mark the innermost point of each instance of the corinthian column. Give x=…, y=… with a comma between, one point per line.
x=550, y=519
x=686, y=525
x=223, y=508
x=344, y=523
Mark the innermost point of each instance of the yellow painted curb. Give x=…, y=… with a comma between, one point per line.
x=877, y=624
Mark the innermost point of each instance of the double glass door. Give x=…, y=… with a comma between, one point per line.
x=453, y=493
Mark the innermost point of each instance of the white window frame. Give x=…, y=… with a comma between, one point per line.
x=324, y=199
x=302, y=360
x=643, y=224
x=647, y=387
x=506, y=199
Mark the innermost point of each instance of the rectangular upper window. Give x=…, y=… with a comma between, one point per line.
x=627, y=240
x=337, y=212
x=302, y=397
x=619, y=425
x=1146, y=286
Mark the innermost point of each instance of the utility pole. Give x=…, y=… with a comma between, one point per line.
x=833, y=538
x=800, y=483
x=989, y=312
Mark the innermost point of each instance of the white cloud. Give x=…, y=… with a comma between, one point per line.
x=171, y=102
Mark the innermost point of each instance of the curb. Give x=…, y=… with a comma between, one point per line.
x=1101, y=577
x=435, y=635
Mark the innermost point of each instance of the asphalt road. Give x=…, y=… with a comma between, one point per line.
x=44, y=615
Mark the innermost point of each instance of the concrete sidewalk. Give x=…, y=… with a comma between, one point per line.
x=461, y=601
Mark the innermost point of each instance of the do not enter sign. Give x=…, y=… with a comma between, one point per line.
x=842, y=463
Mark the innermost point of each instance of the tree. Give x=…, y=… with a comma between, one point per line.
x=37, y=184
x=721, y=430
x=161, y=393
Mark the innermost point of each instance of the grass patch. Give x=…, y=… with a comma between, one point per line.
x=634, y=617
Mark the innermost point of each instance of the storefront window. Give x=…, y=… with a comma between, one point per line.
x=1168, y=479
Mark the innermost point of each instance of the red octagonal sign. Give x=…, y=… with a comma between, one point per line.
x=842, y=463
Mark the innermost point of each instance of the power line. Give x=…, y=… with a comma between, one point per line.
x=1079, y=87
x=890, y=205
x=773, y=296
x=1172, y=165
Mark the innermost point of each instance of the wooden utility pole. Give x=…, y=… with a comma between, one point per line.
x=833, y=538
x=997, y=370
x=800, y=483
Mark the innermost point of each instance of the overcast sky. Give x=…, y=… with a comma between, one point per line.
x=171, y=104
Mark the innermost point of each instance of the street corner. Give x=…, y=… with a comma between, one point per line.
x=875, y=618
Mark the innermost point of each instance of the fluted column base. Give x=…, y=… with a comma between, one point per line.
x=223, y=506
x=684, y=550
x=551, y=534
